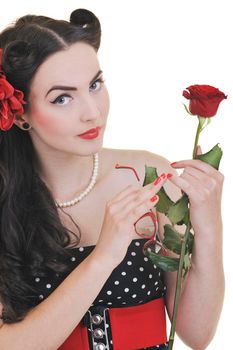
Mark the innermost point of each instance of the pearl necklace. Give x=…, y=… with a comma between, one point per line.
x=87, y=190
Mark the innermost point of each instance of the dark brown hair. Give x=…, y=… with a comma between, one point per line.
x=33, y=240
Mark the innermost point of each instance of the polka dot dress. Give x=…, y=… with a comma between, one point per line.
x=136, y=280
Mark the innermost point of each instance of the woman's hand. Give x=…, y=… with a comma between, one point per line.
x=203, y=185
x=121, y=213
x=204, y=284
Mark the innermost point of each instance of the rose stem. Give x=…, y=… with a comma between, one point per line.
x=199, y=128
x=178, y=287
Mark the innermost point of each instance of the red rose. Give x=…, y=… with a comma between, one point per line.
x=11, y=103
x=204, y=100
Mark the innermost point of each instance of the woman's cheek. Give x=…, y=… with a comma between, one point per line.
x=106, y=105
x=47, y=121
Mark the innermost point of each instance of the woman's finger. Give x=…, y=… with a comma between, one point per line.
x=185, y=184
x=198, y=190
x=142, y=194
x=137, y=194
x=196, y=163
x=198, y=178
x=200, y=165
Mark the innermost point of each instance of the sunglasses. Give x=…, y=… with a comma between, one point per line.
x=147, y=227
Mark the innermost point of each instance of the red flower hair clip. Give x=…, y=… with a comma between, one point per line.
x=11, y=101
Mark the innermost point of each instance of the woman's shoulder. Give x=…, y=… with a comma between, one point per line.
x=137, y=155
x=129, y=159
x=136, y=159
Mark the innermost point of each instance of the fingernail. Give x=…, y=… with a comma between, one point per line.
x=173, y=163
x=157, y=180
x=169, y=175
x=154, y=198
x=163, y=175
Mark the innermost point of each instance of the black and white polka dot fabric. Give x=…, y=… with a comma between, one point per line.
x=136, y=280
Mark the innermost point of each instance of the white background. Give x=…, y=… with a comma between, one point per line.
x=150, y=52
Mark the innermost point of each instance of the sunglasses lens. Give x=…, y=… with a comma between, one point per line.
x=145, y=226
x=152, y=246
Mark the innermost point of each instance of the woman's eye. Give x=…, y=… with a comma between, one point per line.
x=62, y=100
x=97, y=83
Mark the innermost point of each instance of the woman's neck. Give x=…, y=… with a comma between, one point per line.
x=67, y=176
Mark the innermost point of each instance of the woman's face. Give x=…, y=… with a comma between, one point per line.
x=66, y=99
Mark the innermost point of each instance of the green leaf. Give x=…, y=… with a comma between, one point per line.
x=150, y=174
x=187, y=110
x=172, y=239
x=164, y=202
x=179, y=209
x=185, y=219
x=213, y=157
x=166, y=263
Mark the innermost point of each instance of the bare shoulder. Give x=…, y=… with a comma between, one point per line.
x=138, y=159
x=142, y=157
x=125, y=160
x=133, y=159
x=127, y=165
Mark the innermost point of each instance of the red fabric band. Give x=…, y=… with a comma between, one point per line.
x=132, y=327
x=78, y=340
x=139, y=326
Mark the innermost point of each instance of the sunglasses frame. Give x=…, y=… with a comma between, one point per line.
x=155, y=221
x=152, y=239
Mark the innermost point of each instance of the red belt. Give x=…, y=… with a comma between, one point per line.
x=132, y=328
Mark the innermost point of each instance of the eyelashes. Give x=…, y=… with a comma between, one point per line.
x=59, y=98
x=100, y=80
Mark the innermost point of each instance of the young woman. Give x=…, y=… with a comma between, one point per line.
x=72, y=271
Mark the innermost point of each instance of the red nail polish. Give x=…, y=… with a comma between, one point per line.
x=169, y=175
x=157, y=180
x=153, y=199
x=173, y=163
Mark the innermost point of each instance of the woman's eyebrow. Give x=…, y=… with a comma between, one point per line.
x=62, y=87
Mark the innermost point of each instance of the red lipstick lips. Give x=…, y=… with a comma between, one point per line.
x=90, y=134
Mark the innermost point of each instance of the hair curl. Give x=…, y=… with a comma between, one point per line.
x=33, y=240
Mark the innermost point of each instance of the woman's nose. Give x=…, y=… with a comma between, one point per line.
x=90, y=108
